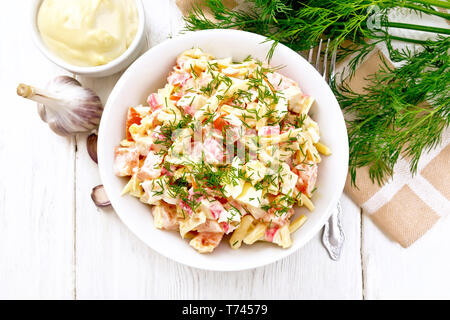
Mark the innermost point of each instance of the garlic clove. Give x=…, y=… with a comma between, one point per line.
x=91, y=146
x=100, y=197
x=65, y=105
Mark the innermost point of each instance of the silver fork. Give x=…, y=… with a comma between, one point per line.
x=333, y=233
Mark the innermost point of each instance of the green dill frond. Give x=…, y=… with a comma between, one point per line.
x=402, y=113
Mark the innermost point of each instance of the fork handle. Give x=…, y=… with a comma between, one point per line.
x=333, y=233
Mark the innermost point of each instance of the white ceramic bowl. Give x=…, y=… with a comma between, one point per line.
x=148, y=73
x=118, y=64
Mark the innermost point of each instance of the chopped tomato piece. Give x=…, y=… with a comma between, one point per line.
x=174, y=97
x=222, y=200
x=220, y=123
x=133, y=117
x=227, y=101
x=194, y=184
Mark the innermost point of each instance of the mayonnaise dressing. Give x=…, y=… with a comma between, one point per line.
x=88, y=32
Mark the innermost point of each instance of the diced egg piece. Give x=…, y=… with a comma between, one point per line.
x=255, y=171
x=237, y=85
x=191, y=102
x=256, y=212
x=250, y=195
x=142, y=110
x=230, y=71
x=288, y=179
x=230, y=215
x=233, y=120
x=170, y=115
x=151, y=168
x=312, y=129
x=233, y=186
x=297, y=101
x=281, y=108
x=143, y=145
x=209, y=107
x=182, y=141
x=165, y=93
x=169, y=197
x=136, y=131
x=313, y=134
x=222, y=63
x=191, y=222
x=133, y=187
x=194, y=53
x=234, y=189
x=153, y=191
x=274, y=183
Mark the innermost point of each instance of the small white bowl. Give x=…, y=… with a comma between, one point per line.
x=118, y=64
x=148, y=73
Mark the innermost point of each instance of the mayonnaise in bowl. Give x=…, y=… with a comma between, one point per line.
x=87, y=33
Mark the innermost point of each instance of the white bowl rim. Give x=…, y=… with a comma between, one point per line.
x=95, y=69
x=307, y=236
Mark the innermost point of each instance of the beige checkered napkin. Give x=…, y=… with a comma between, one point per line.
x=406, y=207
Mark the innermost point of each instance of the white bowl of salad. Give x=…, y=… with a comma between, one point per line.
x=219, y=159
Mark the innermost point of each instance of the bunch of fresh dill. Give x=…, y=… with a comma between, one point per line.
x=403, y=111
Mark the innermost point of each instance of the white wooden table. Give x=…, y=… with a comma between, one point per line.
x=54, y=242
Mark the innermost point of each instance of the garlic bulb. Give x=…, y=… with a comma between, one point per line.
x=65, y=105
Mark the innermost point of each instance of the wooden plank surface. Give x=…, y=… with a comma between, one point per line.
x=36, y=174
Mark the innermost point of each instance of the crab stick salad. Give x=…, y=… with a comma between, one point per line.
x=225, y=150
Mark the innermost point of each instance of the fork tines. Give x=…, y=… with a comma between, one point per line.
x=324, y=59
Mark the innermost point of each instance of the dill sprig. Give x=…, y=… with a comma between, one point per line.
x=403, y=111
x=300, y=24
